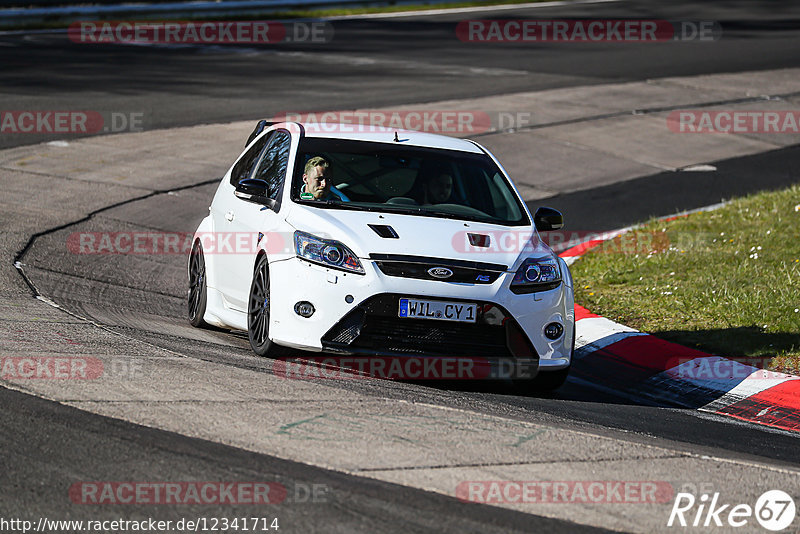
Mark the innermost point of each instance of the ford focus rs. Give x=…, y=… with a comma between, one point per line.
x=381, y=243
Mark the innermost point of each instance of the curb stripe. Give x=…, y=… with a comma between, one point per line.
x=775, y=407
x=596, y=333
x=754, y=384
x=579, y=250
x=583, y=313
x=619, y=358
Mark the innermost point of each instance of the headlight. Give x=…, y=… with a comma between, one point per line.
x=536, y=274
x=326, y=252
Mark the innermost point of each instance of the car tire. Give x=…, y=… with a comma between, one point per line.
x=258, y=303
x=198, y=289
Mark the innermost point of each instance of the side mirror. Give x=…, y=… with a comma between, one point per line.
x=254, y=190
x=546, y=219
x=252, y=186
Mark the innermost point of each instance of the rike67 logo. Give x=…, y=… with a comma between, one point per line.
x=774, y=510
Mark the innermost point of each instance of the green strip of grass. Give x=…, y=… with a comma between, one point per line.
x=725, y=281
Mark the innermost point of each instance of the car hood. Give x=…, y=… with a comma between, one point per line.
x=420, y=236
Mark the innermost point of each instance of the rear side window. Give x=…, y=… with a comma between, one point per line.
x=244, y=167
x=272, y=168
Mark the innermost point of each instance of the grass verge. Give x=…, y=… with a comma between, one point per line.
x=725, y=281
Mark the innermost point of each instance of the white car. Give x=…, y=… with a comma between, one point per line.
x=378, y=262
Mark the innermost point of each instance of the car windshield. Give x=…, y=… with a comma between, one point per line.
x=395, y=178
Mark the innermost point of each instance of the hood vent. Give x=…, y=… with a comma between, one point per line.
x=384, y=230
x=479, y=240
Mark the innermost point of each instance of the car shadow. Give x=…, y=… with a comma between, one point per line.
x=664, y=373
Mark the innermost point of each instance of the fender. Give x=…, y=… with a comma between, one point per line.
x=566, y=274
x=213, y=298
x=206, y=227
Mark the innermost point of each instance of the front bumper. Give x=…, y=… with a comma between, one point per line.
x=373, y=327
x=508, y=326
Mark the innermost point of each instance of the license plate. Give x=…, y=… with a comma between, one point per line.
x=437, y=310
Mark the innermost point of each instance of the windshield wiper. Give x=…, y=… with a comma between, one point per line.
x=332, y=203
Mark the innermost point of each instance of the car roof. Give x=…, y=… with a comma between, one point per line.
x=379, y=134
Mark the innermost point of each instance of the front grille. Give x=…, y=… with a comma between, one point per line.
x=374, y=328
x=469, y=272
x=418, y=336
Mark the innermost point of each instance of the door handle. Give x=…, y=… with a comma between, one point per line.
x=229, y=216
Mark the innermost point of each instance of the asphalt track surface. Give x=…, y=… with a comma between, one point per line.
x=66, y=437
x=183, y=86
x=372, y=63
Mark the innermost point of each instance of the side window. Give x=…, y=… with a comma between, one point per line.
x=272, y=168
x=244, y=167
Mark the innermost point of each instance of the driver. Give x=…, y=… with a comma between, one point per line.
x=317, y=177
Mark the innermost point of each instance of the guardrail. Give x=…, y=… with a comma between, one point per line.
x=50, y=4
x=57, y=11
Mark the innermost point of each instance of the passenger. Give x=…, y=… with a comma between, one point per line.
x=437, y=190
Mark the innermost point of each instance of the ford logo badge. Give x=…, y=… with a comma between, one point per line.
x=440, y=272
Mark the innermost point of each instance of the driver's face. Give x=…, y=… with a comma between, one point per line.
x=317, y=181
